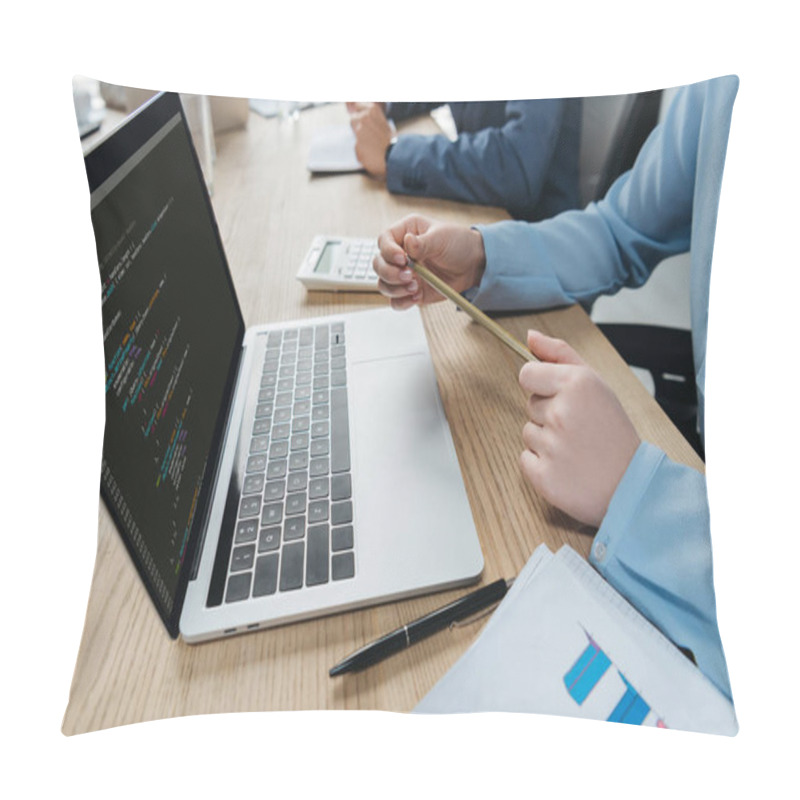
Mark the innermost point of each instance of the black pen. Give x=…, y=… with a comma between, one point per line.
x=423, y=627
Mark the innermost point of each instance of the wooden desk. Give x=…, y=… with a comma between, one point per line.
x=268, y=209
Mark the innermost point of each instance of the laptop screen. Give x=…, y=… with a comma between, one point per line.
x=172, y=332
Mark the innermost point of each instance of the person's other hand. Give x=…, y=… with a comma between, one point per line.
x=578, y=441
x=454, y=252
x=356, y=108
x=373, y=135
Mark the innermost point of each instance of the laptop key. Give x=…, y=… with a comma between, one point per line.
x=340, y=431
x=297, y=481
x=276, y=469
x=292, y=558
x=342, y=538
x=264, y=410
x=259, y=444
x=269, y=539
x=306, y=336
x=242, y=557
x=318, y=488
x=321, y=337
x=319, y=447
x=272, y=514
x=341, y=487
x=294, y=528
x=296, y=504
x=265, y=578
x=343, y=565
x=282, y=414
x=318, y=511
x=317, y=560
x=283, y=399
x=279, y=449
x=238, y=587
x=250, y=506
x=341, y=513
x=274, y=490
x=253, y=484
x=301, y=424
x=271, y=362
x=320, y=429
x=318, y=467
x=261, y=426
x=299, y=441
x=246, y=531
x=257, y=463
x=300, y=427
x=298, y=461
x=301, y=407
x=281, y=431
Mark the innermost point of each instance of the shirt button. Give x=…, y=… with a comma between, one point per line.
x=599, y=551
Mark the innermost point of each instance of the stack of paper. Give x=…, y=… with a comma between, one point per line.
x=565, y=642
x=333, y=149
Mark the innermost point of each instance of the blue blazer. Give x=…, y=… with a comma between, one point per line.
x=520, y=155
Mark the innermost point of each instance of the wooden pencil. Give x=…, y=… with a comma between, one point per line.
x=475, y=313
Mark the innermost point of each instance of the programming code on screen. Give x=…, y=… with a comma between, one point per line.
x=169, y=333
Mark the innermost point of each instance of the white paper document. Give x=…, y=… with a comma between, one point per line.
x=564, y=642
x=333, y=149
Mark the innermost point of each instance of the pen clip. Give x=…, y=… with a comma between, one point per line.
x=462, y=623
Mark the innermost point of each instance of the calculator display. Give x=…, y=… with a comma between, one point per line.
x=327, y=259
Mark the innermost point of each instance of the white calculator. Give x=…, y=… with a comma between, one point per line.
x=340, y=264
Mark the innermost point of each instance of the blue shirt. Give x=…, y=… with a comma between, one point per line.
x=520, y=155
x=654, y=543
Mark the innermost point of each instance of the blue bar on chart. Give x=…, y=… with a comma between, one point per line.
x=631, y=709
x=586, y=672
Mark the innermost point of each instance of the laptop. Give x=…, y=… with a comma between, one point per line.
x=261, y=476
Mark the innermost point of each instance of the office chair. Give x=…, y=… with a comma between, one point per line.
x=615, y=128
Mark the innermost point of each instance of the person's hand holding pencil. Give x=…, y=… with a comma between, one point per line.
x=414, y=247
x=454, y=252
x=578, y=439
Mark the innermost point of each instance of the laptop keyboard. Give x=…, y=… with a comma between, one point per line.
x=295, y=522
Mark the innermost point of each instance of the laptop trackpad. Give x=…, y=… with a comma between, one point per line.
x=412, y=509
